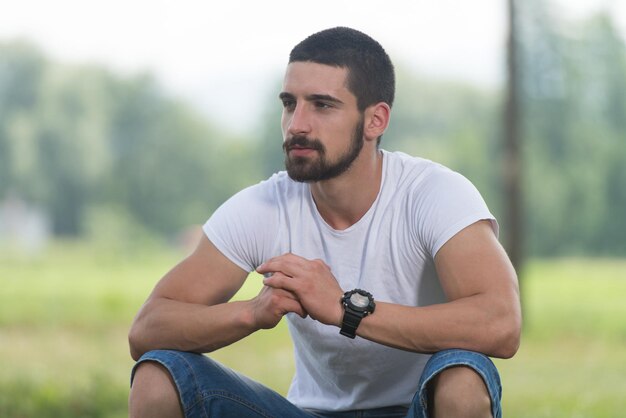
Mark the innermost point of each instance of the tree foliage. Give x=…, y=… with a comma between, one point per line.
x=75, y=138
x=575, y=99
x=80, y=141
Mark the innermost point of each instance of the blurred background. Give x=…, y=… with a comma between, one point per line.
x=124, y=124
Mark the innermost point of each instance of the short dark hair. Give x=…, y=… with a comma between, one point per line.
x=371, y=76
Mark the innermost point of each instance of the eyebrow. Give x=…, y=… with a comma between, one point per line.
x=312, y=97
x=323, y=97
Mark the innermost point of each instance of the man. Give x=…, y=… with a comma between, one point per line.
x=376, y=259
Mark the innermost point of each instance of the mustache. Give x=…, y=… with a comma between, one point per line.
x=303, y=142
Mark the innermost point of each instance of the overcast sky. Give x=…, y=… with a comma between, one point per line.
x=223, y=56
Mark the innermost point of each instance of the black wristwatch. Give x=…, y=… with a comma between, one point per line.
x=357, y=304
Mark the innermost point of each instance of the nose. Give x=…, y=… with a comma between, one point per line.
x=297, y=122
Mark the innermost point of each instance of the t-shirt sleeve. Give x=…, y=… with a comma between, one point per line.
x=447, y=204
x=245, y=227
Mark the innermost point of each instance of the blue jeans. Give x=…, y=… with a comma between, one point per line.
x=208, y=389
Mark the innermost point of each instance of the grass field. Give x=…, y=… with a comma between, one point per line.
x=64, y=319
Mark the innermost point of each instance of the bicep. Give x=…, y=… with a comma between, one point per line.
x=473, y=262
x=205, y=277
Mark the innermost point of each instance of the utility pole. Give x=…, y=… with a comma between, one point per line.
x=512, y=162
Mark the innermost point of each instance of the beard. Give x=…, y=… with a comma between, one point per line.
x=308, y=170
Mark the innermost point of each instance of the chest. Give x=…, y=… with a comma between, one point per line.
x=381, y=253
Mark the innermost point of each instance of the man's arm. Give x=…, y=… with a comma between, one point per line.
x=482, y=314
x=483, y=311
x=189, y=310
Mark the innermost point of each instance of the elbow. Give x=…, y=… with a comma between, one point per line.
x=508, y=347
x=507, y=342
x=138, y=335
x=135, y=352
x=135, y=342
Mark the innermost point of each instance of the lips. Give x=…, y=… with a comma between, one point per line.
x=299, y=145
x=299, y=151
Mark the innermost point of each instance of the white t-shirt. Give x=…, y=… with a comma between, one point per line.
x=389, y=252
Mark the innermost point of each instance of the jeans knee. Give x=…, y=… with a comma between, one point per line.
x=153, y=392
x=459, y=392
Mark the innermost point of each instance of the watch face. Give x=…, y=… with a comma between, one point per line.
x=359, y=301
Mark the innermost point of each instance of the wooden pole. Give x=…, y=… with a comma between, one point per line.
x=512, y=169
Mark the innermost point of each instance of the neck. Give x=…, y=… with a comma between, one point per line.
x=343, y=200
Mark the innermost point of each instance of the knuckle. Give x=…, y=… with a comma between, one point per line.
x=274, y=298
x=320, y=263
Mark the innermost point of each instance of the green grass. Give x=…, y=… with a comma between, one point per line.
x=572, y=361
x=64, y=319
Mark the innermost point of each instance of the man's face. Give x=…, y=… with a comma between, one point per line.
x=322, y=127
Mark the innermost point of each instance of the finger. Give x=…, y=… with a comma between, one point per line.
x=296, y=308
x=274, y=276
x=280, y=281
x=283, y=293
x=286, y=263
x=265, y=267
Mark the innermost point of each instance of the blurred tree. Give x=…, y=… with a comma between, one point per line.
x=21, y=69
x=575, y=95
x=271, y=137
x=70, y=123
x=80, y=140
x=74, y=138
x=171, y=168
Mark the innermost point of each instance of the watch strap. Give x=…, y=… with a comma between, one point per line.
x=350, y=323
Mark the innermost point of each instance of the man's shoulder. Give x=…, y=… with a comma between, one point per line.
x=277, y=187
x=416, y=171
x=279, y=183
x=280, y=179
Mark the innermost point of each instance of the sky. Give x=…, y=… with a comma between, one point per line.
x=225, y=57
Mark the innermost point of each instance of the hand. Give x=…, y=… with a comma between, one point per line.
x=270, y=305
x=312, y=283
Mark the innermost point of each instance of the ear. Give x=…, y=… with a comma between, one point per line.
x=376, y=120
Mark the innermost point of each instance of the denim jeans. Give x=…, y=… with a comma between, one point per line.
x=209, y=389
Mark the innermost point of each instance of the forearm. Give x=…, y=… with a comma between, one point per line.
x=473, y=323
x=168, y=324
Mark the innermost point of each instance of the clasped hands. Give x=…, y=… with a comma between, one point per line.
x=305, y=287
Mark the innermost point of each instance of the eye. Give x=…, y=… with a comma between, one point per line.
x=323, y=105
x=288, y=104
